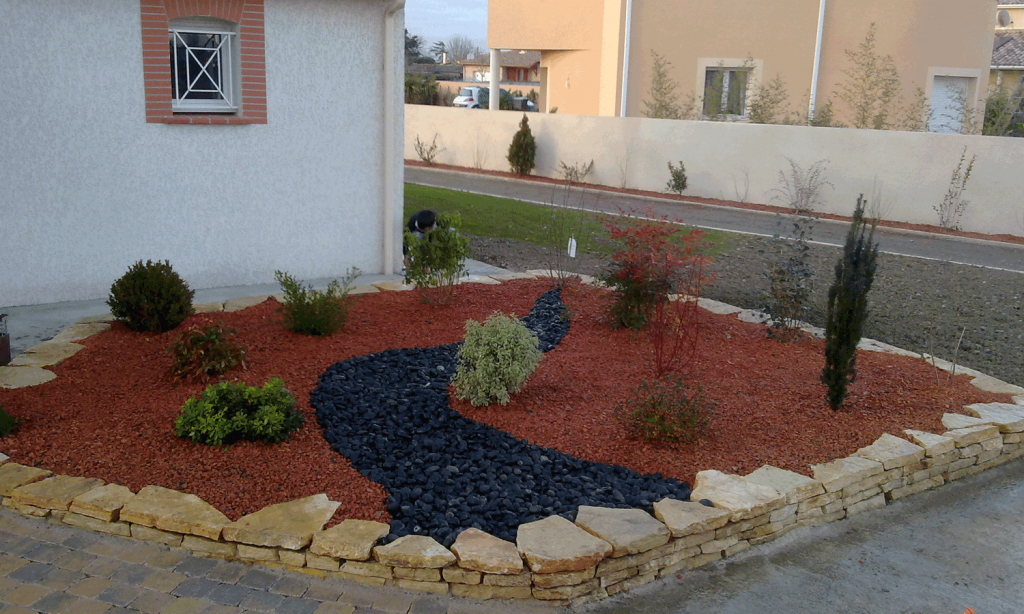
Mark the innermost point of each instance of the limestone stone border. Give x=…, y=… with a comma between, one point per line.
x=554, y=561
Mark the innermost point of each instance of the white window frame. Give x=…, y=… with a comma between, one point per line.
x=226, y=79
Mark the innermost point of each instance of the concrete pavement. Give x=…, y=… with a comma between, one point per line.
x=939, y=552
x=959, y=250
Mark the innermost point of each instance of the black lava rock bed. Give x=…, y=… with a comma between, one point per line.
x=388, y=414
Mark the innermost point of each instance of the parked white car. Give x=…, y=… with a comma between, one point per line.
x=476, y=97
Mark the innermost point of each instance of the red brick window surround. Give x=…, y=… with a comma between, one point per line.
x=156, y=59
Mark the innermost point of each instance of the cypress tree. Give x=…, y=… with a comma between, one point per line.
x=523, y=150
x=848, y=307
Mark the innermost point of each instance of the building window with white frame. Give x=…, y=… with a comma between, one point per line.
x=725, y=92
x=204, y=68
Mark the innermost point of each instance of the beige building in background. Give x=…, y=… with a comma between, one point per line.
x=596, y=55
x=1008, y=50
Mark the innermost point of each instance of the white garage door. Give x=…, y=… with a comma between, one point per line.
x=947, y=111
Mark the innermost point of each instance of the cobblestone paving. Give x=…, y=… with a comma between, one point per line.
x=55, y=569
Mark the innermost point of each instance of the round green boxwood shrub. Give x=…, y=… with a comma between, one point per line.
x=495, y=359
x=227, y=412
x=151, y=297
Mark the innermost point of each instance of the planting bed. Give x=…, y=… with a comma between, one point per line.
x=109, y=413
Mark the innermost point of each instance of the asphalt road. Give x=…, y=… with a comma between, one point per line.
x=976, y=252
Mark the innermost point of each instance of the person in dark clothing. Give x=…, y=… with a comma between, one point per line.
x=421, y=223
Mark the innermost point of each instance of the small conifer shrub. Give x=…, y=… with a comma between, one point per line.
x=228, y=411
x=495, y=360
x=522, y=153
x=151, y=297
x=848, y=307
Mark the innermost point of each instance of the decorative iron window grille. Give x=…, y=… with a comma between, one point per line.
x=202, y=71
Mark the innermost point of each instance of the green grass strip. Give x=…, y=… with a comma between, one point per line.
x=504, y=218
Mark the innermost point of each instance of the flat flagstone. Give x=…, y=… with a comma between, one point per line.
x=794, y=486
x=103, y=317
x=238, y=304
x=103, y=503
x=23, y=377
x=208, y=307
x=892, y=452
x=745, y=499
x=684, y=518
x=350, y=539
x=13, y=475
x=46, y=354
x=991, y=384
x=934, y=445
x=511, y=276
x=170, y=510
x=953, y=422
x=391, y=286
x=842, y=472
x=479, y=279
x=974, y=434
x=289, y=525
x=81, y=330
x=417, y=551
x=480, y=551
x=364, y=289
x=629, y=531
x=55, y=493
x=554, y=544
x=718, y=307
x=1009, y=417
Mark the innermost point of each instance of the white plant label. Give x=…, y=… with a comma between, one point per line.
x=572, y=247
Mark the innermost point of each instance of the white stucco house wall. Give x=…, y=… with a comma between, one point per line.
x=272, y=142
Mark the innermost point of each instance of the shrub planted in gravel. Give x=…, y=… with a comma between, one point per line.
x=495, y=359
x=227, y=412
x=150, y=297
x=664, y=410
x=313, y=312
x=201, y=354
x=8, y=423
x=848, y=307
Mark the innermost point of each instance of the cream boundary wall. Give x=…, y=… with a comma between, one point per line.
x=912, y=168
x=89, y=187
x=922, y=38
x=554, y=561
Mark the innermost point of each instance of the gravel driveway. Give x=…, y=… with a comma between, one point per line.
x=919, y=305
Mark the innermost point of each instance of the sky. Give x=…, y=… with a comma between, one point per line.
x=439, y=20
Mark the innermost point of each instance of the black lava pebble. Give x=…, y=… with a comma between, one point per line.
x=388, y=414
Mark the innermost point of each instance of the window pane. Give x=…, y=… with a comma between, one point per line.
x=196, y=63
x=712, y=91
x=737, y=92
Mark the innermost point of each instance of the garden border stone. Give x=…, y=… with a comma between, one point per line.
x=747, y=511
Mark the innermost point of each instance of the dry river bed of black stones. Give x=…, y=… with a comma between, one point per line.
x=388, y=413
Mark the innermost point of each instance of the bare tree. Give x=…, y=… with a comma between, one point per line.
x=662, y=100
x=460, y=47
x=872, y=86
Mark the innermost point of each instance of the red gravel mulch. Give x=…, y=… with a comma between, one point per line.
x=110, y=412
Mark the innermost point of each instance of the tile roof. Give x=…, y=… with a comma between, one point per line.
x=1008, y=49
x=521, y=59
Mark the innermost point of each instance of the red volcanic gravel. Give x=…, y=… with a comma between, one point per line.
x=110, y=412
